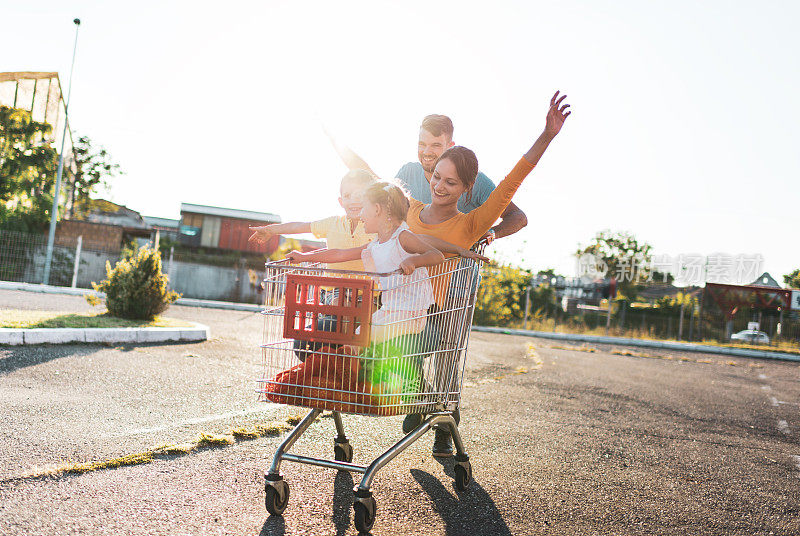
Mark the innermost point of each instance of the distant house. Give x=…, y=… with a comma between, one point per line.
x=102, y=225
x=166, y=227
x=765, y=280
x=223, y=228
x=110, y=213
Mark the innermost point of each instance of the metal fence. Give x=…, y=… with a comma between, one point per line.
x=22, y=259
x=691, y=323
x=225, y=277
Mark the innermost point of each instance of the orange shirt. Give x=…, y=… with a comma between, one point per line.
x=465, y=229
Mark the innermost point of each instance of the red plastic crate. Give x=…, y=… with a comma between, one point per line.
x=352, y=309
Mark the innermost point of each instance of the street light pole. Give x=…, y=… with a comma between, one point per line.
x=527, y=305
x=54, y=212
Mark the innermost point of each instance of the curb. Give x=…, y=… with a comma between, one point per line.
x=49, y=289
x=187, y=302
x=19, y=336
x=212, y=304
x=665, y=345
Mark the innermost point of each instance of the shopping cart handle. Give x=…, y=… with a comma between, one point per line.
x=319, y=267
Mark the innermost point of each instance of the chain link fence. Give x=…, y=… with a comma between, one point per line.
x=23, y=255
x=203, y=275
x=229, y=276
x=697, y=321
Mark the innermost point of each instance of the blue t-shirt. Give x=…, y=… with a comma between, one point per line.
x=412, y=177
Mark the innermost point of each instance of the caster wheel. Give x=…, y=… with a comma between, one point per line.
x=463, y=475
x=364, y=514
x=343, y=452
x=277, y=497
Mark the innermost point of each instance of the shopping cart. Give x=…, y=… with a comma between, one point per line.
x=323, y=349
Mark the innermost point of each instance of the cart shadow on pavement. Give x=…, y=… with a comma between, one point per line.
x=342, y=501
x=342, y=509
x=468, y=512
x=13, y=358
x=16, y=358
x=273, y=526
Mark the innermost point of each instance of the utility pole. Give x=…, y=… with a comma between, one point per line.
x=612, y=292
x=54, y=212
x=527, y=306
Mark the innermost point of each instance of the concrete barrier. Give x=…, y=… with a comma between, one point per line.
x=644, y=343
x=19, y=336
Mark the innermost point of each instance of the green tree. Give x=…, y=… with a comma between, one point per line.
x=28, y=165
x=622, y=256
x=543, y=301
x=94, y=169
x=792, y=280
x=550, y=273
x=501, y=296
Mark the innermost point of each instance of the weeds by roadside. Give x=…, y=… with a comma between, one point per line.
x=26, y=319
x=204, y=441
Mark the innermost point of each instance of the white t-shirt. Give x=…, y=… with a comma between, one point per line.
x=400, y=292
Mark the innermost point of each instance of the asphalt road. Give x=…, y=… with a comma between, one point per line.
x=562, y=441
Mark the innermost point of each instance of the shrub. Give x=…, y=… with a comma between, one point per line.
x=501, y=296
x=136, y=288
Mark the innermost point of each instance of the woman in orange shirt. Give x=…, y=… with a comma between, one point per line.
x=453, y=175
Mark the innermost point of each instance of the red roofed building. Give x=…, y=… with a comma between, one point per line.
x=224, y=228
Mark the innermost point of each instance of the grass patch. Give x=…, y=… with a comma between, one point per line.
x=576, y=328
x=704, y=361
x=575, y=348
x=20, y=318
x=628, y=353
x=203, y=441
x=530, y=353
x=294, y=420
x=213, y=440
x=131, y=459
x=178, y=449
x=782, y=347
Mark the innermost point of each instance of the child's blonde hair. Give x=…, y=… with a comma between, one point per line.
x=359, y=177
x=391, y=197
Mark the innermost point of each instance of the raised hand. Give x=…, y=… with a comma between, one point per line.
x=556, y=115
x=260, y=234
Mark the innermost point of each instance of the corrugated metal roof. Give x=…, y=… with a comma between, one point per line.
x=230, y=213
x=161, y=222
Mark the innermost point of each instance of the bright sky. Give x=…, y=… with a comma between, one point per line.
x=685, y=130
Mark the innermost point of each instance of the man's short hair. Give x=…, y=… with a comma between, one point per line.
x=437, y=125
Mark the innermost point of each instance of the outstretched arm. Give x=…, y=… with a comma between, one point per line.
x=446, y=247
x=556, y=115
x=326, y=255
x=425, y=254
x=263, y=233
x=484, y=216
x=348, y=156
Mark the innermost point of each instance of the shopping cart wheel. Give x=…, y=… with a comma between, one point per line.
x=364, y=512
x=343, y=452
x=463, y=470
x=277, y=496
